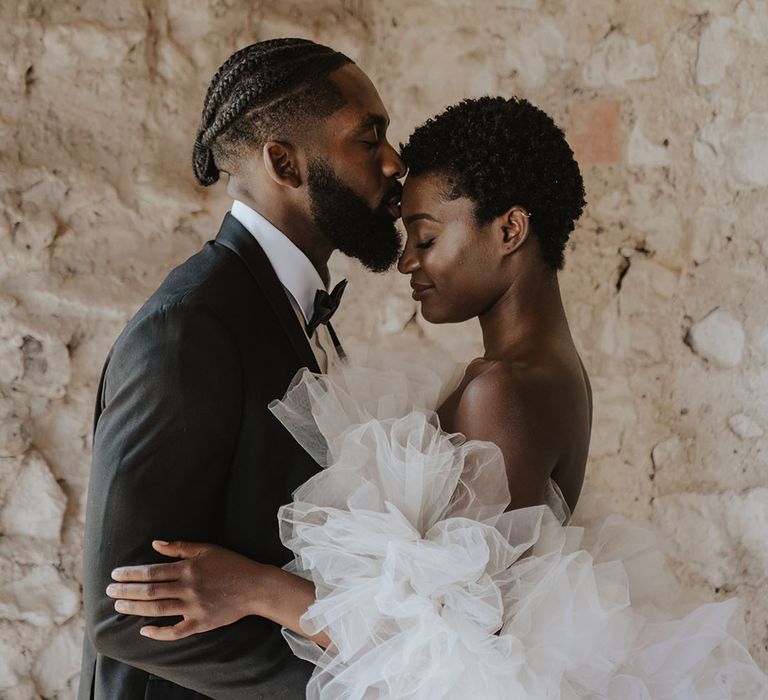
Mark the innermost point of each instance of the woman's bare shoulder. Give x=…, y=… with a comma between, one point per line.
x=498, y=391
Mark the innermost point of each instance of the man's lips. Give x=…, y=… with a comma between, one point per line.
x=393, y=201
x=393, y=206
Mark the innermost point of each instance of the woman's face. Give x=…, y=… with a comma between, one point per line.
x=454, y=263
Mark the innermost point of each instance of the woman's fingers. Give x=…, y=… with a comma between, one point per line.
x=179, y=548
x=182, y=629
x=150, y=608
x=148, y=572
x=144, y=591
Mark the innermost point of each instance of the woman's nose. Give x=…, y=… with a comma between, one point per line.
x=408, y=262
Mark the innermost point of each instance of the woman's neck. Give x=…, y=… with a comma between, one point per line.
x=529, y=312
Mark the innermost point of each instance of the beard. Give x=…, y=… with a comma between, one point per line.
x=345, y=219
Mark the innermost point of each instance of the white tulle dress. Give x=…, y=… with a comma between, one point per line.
x=429, y=590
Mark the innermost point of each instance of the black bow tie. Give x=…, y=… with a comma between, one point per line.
x=325, y=306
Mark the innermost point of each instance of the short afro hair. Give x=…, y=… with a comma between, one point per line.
x=500, y=153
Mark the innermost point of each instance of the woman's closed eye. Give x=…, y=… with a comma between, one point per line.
x=425, y=244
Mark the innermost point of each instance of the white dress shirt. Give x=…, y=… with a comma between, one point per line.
x=296, y=273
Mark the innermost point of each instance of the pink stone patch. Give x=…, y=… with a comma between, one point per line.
x=594, y=132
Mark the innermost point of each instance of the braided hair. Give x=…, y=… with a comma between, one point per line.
x=263, y=91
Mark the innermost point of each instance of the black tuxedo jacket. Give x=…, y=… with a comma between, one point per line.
x=186, y=449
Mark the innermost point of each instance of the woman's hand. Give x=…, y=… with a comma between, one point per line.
x=210, y=587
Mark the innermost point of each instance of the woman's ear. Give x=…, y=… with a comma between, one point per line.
x=281, y=163
x=515, y=226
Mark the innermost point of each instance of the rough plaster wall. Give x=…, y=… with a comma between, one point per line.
x=666, y=105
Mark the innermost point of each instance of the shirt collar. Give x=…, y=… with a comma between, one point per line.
x=294, y=270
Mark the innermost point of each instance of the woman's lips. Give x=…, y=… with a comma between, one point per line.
x=421, y=290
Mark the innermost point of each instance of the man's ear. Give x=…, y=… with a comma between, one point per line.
x=514, y=226
x=281, y=163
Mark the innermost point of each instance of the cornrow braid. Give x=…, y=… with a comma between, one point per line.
x=261, y=90
x=244, y=59
x=246, y=98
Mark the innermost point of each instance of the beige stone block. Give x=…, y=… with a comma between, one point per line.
x=396, y=312
x=745, y=427
x=610, y=339
x=671, y=453
x=85, y=44
x=437, y=77
x=736, y=150
x=614, y=415
x=15, y=431
x=45, y=360
x=59, y=661
x=711, y=228
x=11, y=360
x=645, y=284
x=717, y=50
x=752, y=20
x=641, y=152
x=720, y=537
x=41, y=598
x=327, y=22
x=35, y=504
x=619, y=59
x=718, y=337
x=20, y=554
x=35, y=232
x=13, y=666
x=612, y=205
x=539, y=49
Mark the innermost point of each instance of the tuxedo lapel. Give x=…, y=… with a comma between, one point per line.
x=235, y=236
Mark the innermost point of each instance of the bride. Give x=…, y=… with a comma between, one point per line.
x=434, y=557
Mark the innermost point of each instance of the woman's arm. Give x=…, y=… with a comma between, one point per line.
x=210, y=587
x=501, y=407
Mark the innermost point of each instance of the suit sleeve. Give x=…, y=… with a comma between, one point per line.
x=163, y=446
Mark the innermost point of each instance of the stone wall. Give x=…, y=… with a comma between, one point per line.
x=666, y=106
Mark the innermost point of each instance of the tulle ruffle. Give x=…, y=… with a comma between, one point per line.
x=429, y=590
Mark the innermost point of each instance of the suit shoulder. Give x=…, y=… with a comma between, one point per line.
x=214, y=279
x=190, y=303
x=174, y=327
x=212, y=274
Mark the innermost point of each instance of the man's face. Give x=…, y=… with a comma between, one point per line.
x=345, y=219
x=353, y=176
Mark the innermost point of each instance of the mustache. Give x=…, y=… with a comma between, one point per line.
x=396, y=191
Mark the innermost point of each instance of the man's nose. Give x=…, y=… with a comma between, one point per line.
x=393, y=165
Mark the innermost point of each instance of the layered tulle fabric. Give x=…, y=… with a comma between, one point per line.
x=429, y=590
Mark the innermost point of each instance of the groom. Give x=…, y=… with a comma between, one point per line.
x=184, y=445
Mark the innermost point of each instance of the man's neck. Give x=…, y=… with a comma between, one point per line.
x=302, y=233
